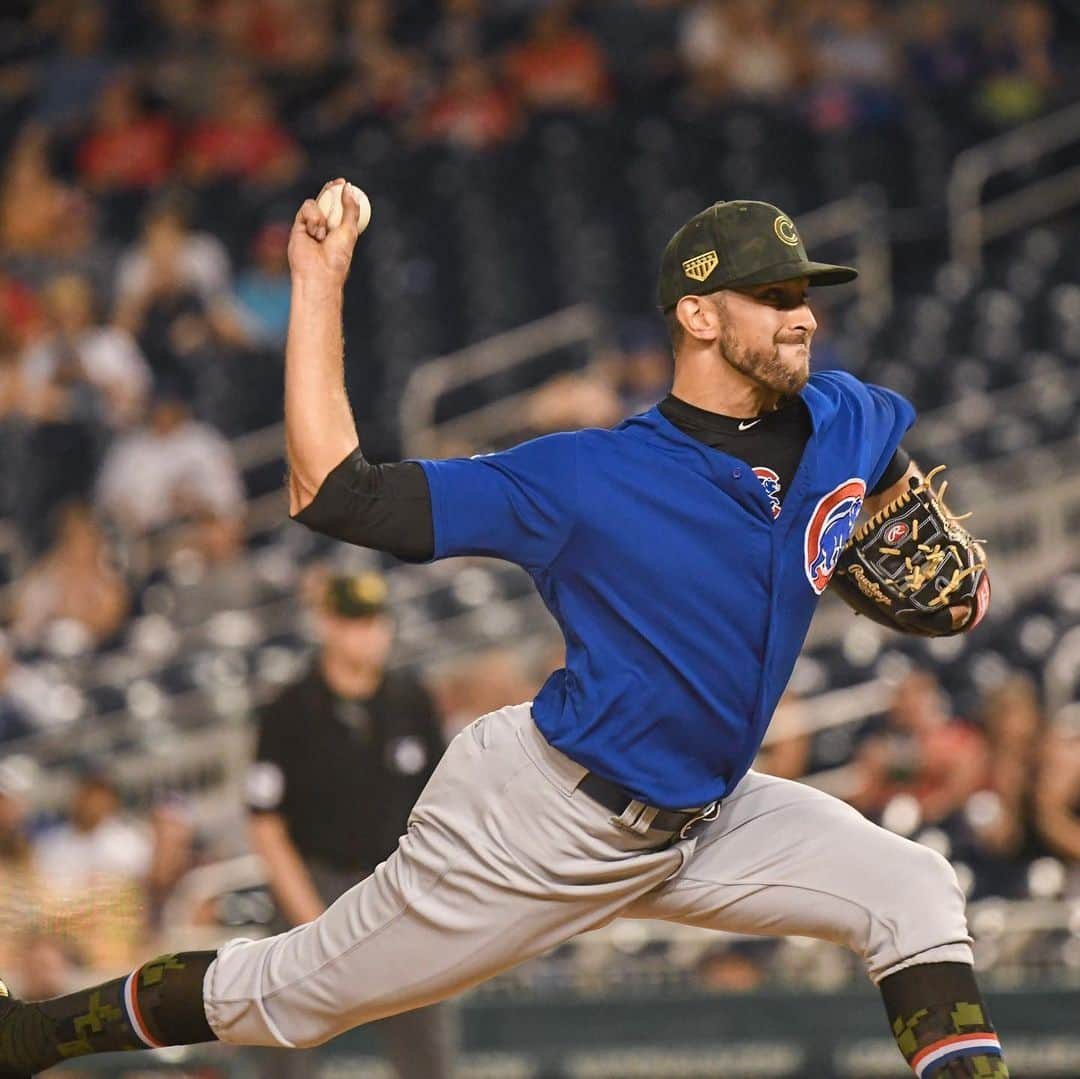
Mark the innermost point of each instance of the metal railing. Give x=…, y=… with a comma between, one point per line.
x=421, y=435
x=971, y=222
x=862, y=217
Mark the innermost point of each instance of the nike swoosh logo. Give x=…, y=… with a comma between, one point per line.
x=744, y=426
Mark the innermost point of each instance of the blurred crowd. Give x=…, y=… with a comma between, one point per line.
x=154, y=154
x=997, y=791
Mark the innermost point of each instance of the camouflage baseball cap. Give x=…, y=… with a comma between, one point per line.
x=737, y=244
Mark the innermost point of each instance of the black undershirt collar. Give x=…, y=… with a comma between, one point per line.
x=706, y=426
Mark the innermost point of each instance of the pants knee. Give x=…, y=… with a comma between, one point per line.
x=920, y=916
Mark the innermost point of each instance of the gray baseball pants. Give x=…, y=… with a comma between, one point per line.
x=419, y=1044
x=503, y=860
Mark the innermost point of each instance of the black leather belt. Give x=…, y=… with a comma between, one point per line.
x=612, y=796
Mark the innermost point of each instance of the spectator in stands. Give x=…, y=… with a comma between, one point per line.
x=738, y=50
x=1057, y=790
x=316, y=828
x=464, y=31
x=368, y=27
x=184, y=54
x=1020, y=70
x=856, y=69
x=73, y=582
x=471, y=111
x=54, y=420
x=1000, y=812
x=97, y=841
x=39, y=215
x=925, y=753
x=94, y=868
x=127, y=147
x=20, y=310
x=263, y=289
x=260, y=31
x=241, y=138
x=71, y=78
x=305, y=62
x=387, y=82
x=181, y=21
x=398, y=82
x=169, y=470
x=202, y=262
x=384, y=84
x=559, y=67
x=942, y=52
x=185, y=332
x=107, y=357
x=110, y=867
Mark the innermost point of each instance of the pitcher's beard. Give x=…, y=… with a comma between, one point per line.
x=767, y=369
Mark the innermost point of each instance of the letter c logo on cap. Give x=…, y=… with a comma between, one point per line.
x=785, y=230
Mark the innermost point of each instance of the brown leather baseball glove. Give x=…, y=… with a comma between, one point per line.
x=911, y=563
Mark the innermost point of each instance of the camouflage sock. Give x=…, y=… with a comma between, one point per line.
x=159, y=1004
x=941, y=1024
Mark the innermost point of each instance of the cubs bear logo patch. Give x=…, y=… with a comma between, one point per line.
x=829, y=529
x=771, y=482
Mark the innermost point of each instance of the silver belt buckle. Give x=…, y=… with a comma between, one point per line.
x=709, y=813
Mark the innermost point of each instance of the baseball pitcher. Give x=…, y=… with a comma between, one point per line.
x=682, y=554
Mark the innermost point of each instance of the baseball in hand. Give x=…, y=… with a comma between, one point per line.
x=330, y=204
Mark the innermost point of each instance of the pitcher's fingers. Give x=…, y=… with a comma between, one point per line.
x=313, y=219
x=350, y=209
x=329, y=184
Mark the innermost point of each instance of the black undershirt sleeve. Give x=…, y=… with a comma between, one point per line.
x=894, y=470
x=385, y=507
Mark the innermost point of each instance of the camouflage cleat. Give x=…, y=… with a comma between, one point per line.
x=7, y=1005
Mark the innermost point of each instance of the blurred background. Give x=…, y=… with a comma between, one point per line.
x=526, y=162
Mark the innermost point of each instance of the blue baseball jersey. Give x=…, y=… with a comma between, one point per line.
x=684, y=599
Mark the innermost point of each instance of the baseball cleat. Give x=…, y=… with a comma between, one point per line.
x=7, y=1004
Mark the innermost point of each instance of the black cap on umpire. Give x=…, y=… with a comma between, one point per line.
x=735, y=245
x=356, y=595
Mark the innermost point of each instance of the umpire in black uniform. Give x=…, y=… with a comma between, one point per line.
x=342, y=755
